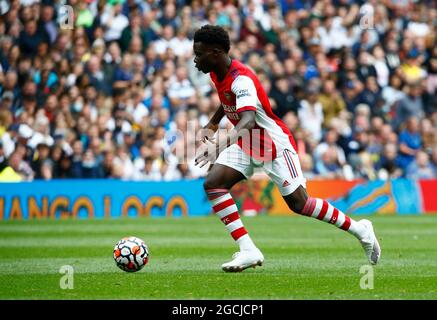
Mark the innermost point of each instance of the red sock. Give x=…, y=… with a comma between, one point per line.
x=224, y=206
x=323, y=210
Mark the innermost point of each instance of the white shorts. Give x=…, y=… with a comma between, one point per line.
x=285, y=170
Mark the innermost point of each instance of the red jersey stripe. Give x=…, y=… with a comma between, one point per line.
x=246, y=109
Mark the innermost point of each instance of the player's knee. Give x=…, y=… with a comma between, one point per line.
x=212, y=184
x=297, y=206
x=296, y=201
x=207, y=185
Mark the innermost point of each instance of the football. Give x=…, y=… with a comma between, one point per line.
x=131, y=254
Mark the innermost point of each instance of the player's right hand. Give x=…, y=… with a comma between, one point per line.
x=207, y=152
x=205, y=135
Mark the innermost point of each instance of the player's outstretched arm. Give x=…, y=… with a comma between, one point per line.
x=208, y=131
x=242, y=129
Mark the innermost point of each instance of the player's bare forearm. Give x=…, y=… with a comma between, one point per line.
x=242, y=129
x=211, y=150
x=208, y=131
x=215, y=120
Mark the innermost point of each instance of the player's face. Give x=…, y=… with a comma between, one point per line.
x=204, y=57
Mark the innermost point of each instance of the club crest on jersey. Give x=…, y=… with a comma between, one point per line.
x=228, y=96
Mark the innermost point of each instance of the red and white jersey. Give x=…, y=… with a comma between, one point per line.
x=241, y=90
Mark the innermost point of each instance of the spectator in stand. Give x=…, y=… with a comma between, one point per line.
x=31, y=37
x=328, y=166
x=420, y=168
x=76, y=160
x=181, y=45
x=113, y=20
x=409, y=106
x=162, y=44
x=181, y=92
x=134, y=28
x=429, y=135
x=431, y=80
x=434, y=161
x=124, y=71
x=332, y=102
x=388, y=166
x=47, y=22
x=365, y=68
x=98, y=78
x=285, y=99
x=90, y=168
x=371, y=95
x=41, y=158
x=9, y=87
x=123, y=82
x=391, y=95
x=149, y=173
x=20, y=165
x=351, y=95
x=311, y=113
x=330, y=141
x=410, y=143
x=307, y=166
x=380, y=64
x=411, y=71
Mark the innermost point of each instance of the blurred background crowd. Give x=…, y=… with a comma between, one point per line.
x=110, y=92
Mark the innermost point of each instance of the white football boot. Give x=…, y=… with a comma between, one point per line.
x=244, y=259
x=370, y=242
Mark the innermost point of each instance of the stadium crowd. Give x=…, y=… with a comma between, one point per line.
x=111, y=93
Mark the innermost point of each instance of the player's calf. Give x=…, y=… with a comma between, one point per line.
x=322, y=210
x=225, y=208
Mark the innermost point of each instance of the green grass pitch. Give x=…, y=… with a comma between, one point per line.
x=304, y=259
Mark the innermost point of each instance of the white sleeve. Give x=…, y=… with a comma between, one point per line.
x=245, y=93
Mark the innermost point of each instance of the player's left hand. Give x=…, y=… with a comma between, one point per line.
x=208, y=152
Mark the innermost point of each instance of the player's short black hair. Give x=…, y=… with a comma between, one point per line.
x=213, y=35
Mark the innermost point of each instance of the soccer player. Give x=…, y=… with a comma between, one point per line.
x=258, y=139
